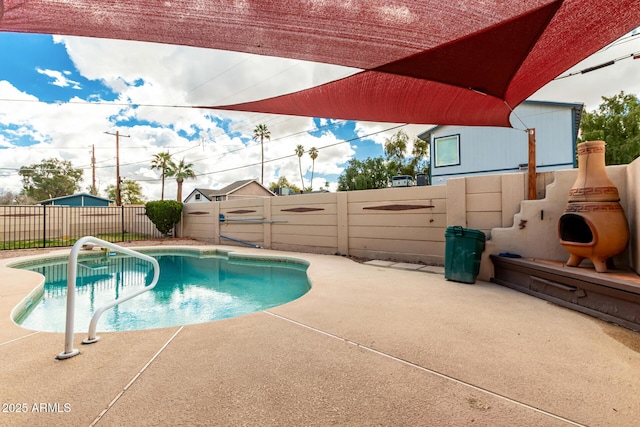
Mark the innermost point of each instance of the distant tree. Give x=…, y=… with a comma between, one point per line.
x=9, y=198
x=299, y=152
x=89, y=189
x=395, y=149
x=49, y=179
x=163, y=162
x=313, y=153
x=180, y=172
x=130, y=192
x=617, y=122
x=420, y=156
x=365, y=175
x=261, y=132
x=283, y=182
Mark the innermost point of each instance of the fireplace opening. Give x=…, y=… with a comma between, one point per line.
x=573, y=228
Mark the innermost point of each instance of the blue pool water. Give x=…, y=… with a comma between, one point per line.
x=191, y=289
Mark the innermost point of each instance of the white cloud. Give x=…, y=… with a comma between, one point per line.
x=69, y=130
x=193, y=76
x=157, y=77
x=8, y=91
x=380, y=132
x=50, y=128
x=60, y=78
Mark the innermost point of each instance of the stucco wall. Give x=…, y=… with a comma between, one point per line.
x=404, y=224
x=307, y=223
x=408, y=224
x=200, y=221
x=484, y=202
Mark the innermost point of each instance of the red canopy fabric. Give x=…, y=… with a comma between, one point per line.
x=424, y=61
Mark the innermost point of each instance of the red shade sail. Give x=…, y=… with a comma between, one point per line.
x=424, y=61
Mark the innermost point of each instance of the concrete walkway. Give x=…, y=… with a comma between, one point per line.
x=368, y=345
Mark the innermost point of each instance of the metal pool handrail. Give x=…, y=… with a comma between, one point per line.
x=69, y=351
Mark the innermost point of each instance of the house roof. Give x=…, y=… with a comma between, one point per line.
x=73, y=196
x=426, y=135
x=211, y=194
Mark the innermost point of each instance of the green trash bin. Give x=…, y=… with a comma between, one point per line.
x=463, y=251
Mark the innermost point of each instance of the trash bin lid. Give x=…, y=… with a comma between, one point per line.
x=457, y=231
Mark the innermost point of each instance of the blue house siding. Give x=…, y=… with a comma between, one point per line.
x=489, y=150
x=82, y=199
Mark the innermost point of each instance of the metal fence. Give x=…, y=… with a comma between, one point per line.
x=41, y=226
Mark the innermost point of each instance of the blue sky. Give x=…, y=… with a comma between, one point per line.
x=59, y=96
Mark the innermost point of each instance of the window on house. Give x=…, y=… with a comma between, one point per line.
x=218, y=198
x=447, y=151
x=197, y=196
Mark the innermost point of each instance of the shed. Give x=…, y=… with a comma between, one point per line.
x=80, y=199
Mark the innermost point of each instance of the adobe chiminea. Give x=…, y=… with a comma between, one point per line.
x=593, y=225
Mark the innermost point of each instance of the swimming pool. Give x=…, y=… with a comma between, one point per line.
x=192, y=288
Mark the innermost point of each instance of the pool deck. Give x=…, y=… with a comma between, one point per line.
x=370, y=344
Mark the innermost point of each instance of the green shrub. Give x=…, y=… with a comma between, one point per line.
x=164, y=214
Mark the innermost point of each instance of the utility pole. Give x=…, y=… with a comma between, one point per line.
x=117, y=134
x=93, y=170
x=531, y=168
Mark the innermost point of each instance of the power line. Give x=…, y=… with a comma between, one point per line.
x=316, y=128
x=241, y=149
x=626, y=39
x=100, y=104
x=219, y=74
x=289, y=155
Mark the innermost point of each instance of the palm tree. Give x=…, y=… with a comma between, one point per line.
x=182, y=171
x=163, y=162
x=261, y=132
x=299, y=152
x=313, y=153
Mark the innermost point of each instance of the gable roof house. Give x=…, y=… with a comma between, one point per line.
x=247, y=188
x=458, y=151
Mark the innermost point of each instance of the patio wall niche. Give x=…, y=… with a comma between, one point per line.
x=534, y=233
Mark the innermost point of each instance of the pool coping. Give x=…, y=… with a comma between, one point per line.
x=27, y=304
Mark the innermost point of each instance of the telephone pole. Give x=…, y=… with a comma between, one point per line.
x=117, y=134
x=93, y=170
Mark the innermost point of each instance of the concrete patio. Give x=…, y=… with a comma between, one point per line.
x=370, y=344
